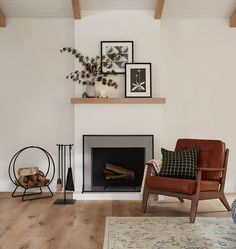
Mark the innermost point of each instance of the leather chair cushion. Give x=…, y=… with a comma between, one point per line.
x=176, y=185
x=212, y=155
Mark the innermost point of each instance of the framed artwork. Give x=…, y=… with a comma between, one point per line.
x=138, y=80
x=116, y=54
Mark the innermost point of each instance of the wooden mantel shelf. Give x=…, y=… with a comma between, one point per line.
x=118, y=100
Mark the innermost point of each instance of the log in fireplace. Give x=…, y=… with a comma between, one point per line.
x=115, y=163
x=116, y=175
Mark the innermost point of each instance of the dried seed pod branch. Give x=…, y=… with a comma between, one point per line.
x=91, y=69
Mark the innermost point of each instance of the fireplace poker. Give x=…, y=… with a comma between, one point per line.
x=59, y=182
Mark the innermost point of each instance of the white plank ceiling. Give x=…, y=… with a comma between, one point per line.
x=63, y=9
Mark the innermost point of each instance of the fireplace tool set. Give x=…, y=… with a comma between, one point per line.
x=65, y=183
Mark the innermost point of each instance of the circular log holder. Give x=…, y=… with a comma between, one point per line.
x=14, y=179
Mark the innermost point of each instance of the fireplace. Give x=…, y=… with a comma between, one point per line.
x=115, y=163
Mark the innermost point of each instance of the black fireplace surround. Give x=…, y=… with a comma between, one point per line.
x=128, y=152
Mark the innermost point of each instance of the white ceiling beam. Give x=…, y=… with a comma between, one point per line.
x=2, y=19
x=233, y=20
x=159, y=8
x=76, y=9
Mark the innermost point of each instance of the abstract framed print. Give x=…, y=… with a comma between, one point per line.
x=138, y=80
x=115, y=54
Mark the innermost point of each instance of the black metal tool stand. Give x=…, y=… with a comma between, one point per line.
x=63, y=152
x=14, y=178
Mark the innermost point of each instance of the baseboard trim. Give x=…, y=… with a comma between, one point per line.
x=107, y=196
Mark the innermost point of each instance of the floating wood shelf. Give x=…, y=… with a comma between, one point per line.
x=118, y=100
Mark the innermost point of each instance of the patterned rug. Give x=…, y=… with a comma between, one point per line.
x=168, y=233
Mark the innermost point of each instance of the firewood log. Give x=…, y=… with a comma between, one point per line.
x=41, y=178
x=117, y=177
x=27, y=171
x=108, y=172
x=119, y=170
x=23, y=180
x=33, y=178
x=43, y=182
x=40, y=173
x=30, y=184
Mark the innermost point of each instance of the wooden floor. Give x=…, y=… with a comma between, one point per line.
x=40, y=224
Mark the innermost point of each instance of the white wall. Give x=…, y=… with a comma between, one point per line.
x=198, y=77
x=137, y=26
x=35, y=97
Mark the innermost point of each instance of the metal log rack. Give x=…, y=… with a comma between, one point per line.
x=14, y=178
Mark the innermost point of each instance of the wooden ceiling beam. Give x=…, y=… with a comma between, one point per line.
x=159, y=8
x=2, y=19
x=233, y=20
x=76, y=9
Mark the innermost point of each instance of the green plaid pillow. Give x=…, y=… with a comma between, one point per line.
x=180, y=164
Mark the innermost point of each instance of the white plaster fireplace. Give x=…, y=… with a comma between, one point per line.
x=117, y=119
x=113, y=119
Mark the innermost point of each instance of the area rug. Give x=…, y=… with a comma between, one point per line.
x=168, y=233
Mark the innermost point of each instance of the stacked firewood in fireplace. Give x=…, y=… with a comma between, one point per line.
x=32, y=177
x=114, y=173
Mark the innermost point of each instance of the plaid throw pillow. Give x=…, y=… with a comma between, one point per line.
x=180, y=164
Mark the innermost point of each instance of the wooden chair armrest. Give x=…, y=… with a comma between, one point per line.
x=199, y=175
x=211, y=169
x=149, y=169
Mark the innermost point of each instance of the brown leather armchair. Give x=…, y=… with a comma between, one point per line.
x=210, y=181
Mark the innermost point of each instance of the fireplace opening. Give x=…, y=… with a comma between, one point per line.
x=117, y=167
x=115, y=163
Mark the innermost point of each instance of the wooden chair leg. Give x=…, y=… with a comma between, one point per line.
x=225, y=202
x=193, y=211
x=145, y=199
x=181, y=199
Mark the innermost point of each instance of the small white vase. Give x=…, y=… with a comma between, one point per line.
x=91, y=91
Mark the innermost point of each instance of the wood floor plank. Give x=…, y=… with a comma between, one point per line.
x=41, y=224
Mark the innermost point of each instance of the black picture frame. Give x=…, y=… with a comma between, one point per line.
x=138, y=80
x=124, y=51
